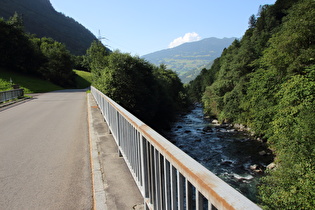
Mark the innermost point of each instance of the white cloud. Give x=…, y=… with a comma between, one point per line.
x=188, y=37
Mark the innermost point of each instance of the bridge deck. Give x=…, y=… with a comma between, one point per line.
x=120, y=189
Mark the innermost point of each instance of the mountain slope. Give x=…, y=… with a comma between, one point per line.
x=40, y=18
x=188, y=59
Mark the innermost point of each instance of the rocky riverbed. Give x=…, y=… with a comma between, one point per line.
x=232, y=155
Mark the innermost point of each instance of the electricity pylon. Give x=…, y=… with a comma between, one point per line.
x=100, y=37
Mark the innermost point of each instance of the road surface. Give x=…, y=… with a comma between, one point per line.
x=44, y=153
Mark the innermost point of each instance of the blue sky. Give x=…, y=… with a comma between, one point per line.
x=140, y=27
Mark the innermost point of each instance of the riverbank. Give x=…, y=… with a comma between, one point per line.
x=233, y=155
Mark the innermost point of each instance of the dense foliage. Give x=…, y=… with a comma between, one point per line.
x=27, y=54
x=266, y=81
x=151, y=93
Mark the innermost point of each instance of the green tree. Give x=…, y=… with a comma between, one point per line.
x=17, y=52
x=95, y=57
x=292, y=47
x=130, y=82
x=197, y=87
x=290, y=56
x=16, y=21
x=252, y=21
x=228, y=88
x=291, y=185
x=80, y=63
x=259, y=101
x=171, y=95
x=58, y=64
x=212, y=102
x=153, y=94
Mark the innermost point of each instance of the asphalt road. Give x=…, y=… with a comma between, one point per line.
x=44, y=153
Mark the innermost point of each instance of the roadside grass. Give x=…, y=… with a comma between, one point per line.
x=83, y=79
x=30, y=84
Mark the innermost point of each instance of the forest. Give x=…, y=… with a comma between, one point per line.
x=27, y=54
x=266, y=81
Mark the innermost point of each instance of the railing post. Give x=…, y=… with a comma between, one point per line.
x=144, y=167
x=189, y=198
x=152, y=178
x=158, y=179
x=180, y=187
x=118, y=134
x=167, y=184
x=199, y=200
x=173, y=187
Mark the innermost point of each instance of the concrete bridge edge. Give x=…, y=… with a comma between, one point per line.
x=99, y=196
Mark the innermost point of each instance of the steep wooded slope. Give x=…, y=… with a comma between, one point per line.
x=40, y=18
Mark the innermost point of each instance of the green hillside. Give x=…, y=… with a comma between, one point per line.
x=40, y=18
x=188, y=59
x=83, y=79
x=30, y=84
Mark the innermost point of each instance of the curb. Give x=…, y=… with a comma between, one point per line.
x=99, y=196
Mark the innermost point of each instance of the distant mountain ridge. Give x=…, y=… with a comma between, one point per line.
x=189, y=58
x=42, y=19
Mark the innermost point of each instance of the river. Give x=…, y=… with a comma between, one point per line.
x=230, y=154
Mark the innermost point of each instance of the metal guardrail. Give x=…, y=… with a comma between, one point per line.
x=11, y=94
x=166, y=176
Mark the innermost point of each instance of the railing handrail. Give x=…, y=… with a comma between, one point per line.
x=163, y=169
x=10, y=94
x=9, y=90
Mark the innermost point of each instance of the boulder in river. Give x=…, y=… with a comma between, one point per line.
x=226, y=162
x=256, y=168
x=262, y=153
x=216, y=122
x=271, y=166
x=243, y=178
x=207, y=129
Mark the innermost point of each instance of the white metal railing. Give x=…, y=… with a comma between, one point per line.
x=11, y=94
x=166, y=176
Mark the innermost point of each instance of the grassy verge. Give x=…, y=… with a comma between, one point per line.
x=30, y=84
x=83, y=79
